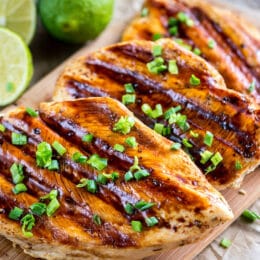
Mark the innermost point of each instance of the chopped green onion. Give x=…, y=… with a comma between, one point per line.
x=183, y=44
x=52, y=207
x=129, y=209
x=129, y=88
x=50, y=196
x=251, y=87
x=135, y=166
x=87, y=138
x=2, y=128
x=79, y=158
x=238, y=165
x=146, y=109
x=197, y=51
x=131, y=141
x=172, y=22
x=54, y=165
x=17, y=173
x=225, y=243
x=173, y=68
x=180, y=120
x=209, y=169
x=19, y=188
x=144, y=12
x=136, y=225
x=157, y=36
x=194, y=134
x=156, y=66
x=211, y=44
x=173, y=30
x=142, y=205
x=97, y=162
x=102, y=179
x=216, y=159
x=28, y=222
x=166, y=131
x=141, y=174
x=60, y=149
x=97, y=219
x=44, y=155
x=30, y=111
x=10, y=86
x=114, y=175
x=152, y=221
x=128, y=176
x=175, y=146
x=120, y=148
x=186, y=143
x=19, y=139
x=124, y=125
x=182, y=17
x=157, y=112
x=189, y=22
x=208, y=139
x=205, y=156
x=194, y=81
x=250, y=216
x=38, y=208
x=171, y=111
x=90, y=185
x=128, y=99
x=158, y=128
x=15, y=213
x=157, y=50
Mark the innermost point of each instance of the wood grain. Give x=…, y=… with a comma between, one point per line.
x=43, y=90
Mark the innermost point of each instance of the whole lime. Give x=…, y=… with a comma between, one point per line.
x=75, y=21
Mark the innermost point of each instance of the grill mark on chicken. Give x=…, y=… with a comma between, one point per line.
x=233, y=62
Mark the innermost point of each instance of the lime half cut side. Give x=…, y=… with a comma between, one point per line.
x=19, y=16
x=16, y=66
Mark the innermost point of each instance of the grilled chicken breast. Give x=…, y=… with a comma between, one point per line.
x=159, y=191
x=228, y=42
x=191, y=105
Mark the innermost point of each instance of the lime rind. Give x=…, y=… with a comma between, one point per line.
x=16, y=64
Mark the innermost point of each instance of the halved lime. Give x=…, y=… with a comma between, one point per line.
x=16, y=66
x=19, y=16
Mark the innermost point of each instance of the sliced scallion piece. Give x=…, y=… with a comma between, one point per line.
x=28, y=222
x=79, y=158
x=17, y=173
x=128, y=99
x=97, y=219
x=131, y=141
x=30, y=111
x=2, y=128
x=129, y=88
x=143, y=205
x=225, y=243
x=44, y=155
x=38, y=208
x=250, y=216
x=87, y=138
x=19, y=139
x=124, y=125
x=15, y=213
x=119, y=148
x=151, y=221
x=194, y=81
x=19, y=188
x=60, y=149
x=97, y=162
x=173, y=68
x=129, y=208
x=136, y=225
x=176, y=146
x=208, y=138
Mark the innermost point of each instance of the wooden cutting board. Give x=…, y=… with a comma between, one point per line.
x=43, y=90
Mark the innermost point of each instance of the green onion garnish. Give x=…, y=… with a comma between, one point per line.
x=197, y=51
x=250, y=216
x=157, y=50
x=208, y=139
x=52, y=207
x=186, y=143
x=87, y=138
x=141, y=174
x=225, y=243
x=135, y=166
x=194, y=81
x=60, y=149
x=176, y=146
x=194, y=134
x=28, y=222
x=128, y=176
x=15, y=213
x=158, y=128
x=54, y=166
x=173, y=68
x=119, y=148
x=97, y=219
x=156, y=66
x=19, y=188
x=50, y=196
x=157, y=36
x=38, y=208
x=2, y=128
x=124, y=125
x=79, y=158
x=183, y=44
x=172, y=111
x=90, y=185
x=97, y=162
x=209, y=169
x=113, y=176
x=30, y=111
x=17, y=173
x=157, y=112
x=131, y=141
x=136, y=226
x=19, y=139
x=238, y=165
x=144, y=12
x=102, y=179
x=152, y=221
x=216, y=159
x=172, y=22
x=129, y=208
x=182, y=17
x=205, y=156
x=129, y=88
x=128, y=99
x=211, y=44
x=142, y=205
x=174, y=30
x=44, y=155
x=251, y=87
